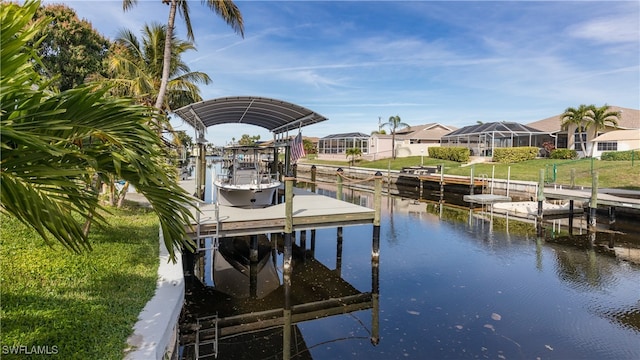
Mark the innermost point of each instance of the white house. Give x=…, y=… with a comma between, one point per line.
x=617, y=140
x=570, y=138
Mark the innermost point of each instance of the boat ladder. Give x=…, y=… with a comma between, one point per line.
x=206, y=345
x=200, y=238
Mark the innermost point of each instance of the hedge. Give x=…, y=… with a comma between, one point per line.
x=459, y=154
x=514, y=154
x=620, y=155
x=563, y=154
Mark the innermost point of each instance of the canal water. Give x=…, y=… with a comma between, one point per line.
x=448, y=284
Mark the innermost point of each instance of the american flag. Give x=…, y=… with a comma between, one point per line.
x=297, y=148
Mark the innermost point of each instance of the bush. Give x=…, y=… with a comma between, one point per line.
x=459, y=154
x=620, y=155
x=563, y=154
x=515, y=154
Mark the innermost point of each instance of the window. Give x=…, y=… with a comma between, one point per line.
x=608, y=146
x=580, y=136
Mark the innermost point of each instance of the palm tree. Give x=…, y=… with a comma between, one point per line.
x=58, y=146
x=576, y=117
x=601, y=117
x=225, y=8
x=394, y=123
x=135, y=69
x=353, y=152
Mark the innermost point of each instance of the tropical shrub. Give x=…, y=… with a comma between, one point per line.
x=515, y=154
x=620, y=155
x=564, y=154
x=459, y=154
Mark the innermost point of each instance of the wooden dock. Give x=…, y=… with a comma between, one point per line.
x=310, y=211
x=585, y=195
x=452, y=180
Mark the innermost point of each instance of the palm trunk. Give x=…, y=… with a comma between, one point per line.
x=123, y=194
x=167, y=55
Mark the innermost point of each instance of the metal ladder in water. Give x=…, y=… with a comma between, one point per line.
x=207, y=347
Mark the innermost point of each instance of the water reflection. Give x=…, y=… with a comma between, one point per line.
x=243, y=290
x=455, y=284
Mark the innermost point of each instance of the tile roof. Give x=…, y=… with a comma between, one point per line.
x=630, y=119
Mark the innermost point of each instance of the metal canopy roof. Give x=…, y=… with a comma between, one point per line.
x=274, y=115
x=502, y=128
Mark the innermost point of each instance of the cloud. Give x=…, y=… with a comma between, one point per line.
x=613, y=29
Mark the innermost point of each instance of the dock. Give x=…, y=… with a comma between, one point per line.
x=585, y=195
x=310, y=211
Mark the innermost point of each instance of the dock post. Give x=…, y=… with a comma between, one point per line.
x=286, y=314
x=493, y=177
x=303, y=242
x=471, y=181
x=375, y=300
x=540, y=202
x=571, y=217
x=612, y=217
x=339, y=252
x=288, y=220
x=313, y=242
x=339, y=181
x=253, y=252
x=508, y=179
x=314, y=171
x=593, y=204
x=294, y=169
x=201, y=169
x=253, y=279
x=377, y=206
x=441, y=183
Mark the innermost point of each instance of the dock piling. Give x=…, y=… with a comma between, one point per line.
x=314, y=171
x=288, y=223
x=339, y=183
x=471, y=181
x=571, y=202
x=593, y=204
x=377, y=206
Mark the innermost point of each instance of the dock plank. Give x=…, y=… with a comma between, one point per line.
x=585, y=195
x=310, y=211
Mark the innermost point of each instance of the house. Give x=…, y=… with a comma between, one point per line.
x=415, y=140
x=482, y=139
x=616, y=140
x=410, y=141
x=629, y=119
x=334, y=147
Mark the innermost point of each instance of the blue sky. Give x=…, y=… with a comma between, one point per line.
x=451, y=62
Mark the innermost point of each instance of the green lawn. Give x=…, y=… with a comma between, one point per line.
x=78, y=306
x=611, y=174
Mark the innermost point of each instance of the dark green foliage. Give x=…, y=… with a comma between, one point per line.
x=563, y=154
x=621, y=155
x=515, y=154
x=71, y=49
x=459, y=154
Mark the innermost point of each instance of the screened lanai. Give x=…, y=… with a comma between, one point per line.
x=339, y=143
x=482, y=139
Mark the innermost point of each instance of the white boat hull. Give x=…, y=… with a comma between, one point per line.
x=246, y=196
